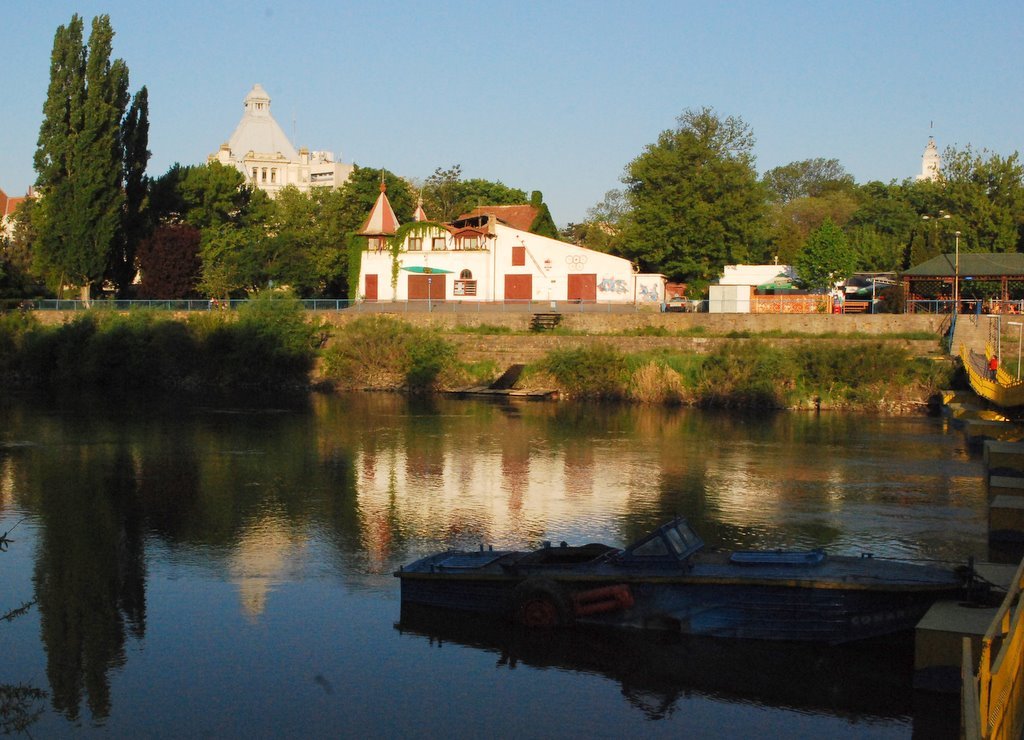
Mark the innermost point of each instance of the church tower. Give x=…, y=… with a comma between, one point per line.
x=930, y=162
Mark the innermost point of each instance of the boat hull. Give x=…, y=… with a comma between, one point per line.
x=815, y=613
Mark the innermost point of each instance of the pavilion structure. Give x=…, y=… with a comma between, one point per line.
x=990, y=282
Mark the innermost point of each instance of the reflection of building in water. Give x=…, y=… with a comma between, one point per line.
x=503, y=492
x=261, y=558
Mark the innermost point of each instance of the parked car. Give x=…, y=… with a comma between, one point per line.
x=678, y=304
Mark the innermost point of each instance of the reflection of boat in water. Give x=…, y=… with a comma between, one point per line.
x=667, y=581
x=655, y=669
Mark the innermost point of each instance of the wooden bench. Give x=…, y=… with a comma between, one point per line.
x=545, y=321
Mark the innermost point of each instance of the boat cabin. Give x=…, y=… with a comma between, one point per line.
x=673, y=542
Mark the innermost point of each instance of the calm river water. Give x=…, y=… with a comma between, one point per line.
x=224, y=570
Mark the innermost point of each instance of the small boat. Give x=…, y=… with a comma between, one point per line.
x=667, y=580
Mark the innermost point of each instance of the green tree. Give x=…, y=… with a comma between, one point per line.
x=695, y=200
x=793, y=221
x=135, y=140
x=54, y=157
x=79, y=159
x=446, y=195
x=215, y=194
x=603, y=225
x=881, y=229
x=826, y=258
x=17, y=279
x=543, y=223
x=442, y=196
x=478, y=192
x=985, y=193
x=808, y=178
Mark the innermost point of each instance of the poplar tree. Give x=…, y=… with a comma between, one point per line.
x=135, y=139
x=54, y=160
x=81, y=158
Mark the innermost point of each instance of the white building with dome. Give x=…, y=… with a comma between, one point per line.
x=261, y=151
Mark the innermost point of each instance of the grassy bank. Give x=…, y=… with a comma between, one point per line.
x=382, y=353
x=267, y=344
x=271, y=344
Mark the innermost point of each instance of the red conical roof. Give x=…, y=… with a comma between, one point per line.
x=382, y=220
x=419, y=214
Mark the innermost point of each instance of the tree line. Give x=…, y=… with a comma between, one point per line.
x=100, y=223
x=693, y=202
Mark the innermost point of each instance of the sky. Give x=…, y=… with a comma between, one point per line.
x=557, y=96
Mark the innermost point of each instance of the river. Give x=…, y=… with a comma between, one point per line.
x=224, y=569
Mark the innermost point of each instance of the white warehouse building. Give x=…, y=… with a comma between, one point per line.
x=481, y=258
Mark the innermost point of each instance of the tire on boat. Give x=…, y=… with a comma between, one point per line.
x=539, y=603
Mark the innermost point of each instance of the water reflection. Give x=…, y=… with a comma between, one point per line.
x=335, y=493
x=90, y=573
x=656, y=671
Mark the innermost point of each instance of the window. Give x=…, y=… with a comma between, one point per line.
x=652, y=548
x=438, y=244
x=518, y=256
x=263, y=175
x=273, y=175
x=464, y=287
x=375, y=243
x=255, y=174
x=469, y=242
x=415, y=244
x=466, y=275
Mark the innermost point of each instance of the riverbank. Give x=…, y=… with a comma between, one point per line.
x=890, y=363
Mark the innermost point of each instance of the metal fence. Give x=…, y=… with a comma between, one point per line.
x=339, y=305
x=511, y=306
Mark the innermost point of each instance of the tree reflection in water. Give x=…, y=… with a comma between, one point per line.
x=90, y=574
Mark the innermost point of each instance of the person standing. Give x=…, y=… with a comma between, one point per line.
x=993, y=365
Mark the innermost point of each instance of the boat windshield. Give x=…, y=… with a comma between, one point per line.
x=672, y=542
x=683, y=539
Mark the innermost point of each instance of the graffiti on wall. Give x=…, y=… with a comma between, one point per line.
x=650, y=292
x=612, y=285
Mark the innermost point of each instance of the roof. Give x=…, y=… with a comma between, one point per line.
x=973, y=264
x=9, y=205
x=420, y=214
x=518, y=217
x=258, y=131
x=382, y=220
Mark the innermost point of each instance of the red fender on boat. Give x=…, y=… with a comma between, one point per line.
x=600, y=600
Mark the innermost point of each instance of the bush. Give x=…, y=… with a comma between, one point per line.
x=598, y=372
x=378, y=352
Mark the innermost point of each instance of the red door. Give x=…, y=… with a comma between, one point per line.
x=423, y=286
x=370, y=288
x=518, y=287
x=582, y=288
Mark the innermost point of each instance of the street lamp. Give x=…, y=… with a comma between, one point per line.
x=956, y=275
x=1020, y=335
x=956, y=262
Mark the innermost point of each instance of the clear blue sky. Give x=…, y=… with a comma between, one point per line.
x=551, y=96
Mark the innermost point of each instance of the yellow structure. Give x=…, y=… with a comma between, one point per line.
x=1004, y=391
x=993, y=688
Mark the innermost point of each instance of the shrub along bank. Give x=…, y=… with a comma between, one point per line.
x=271, y=343
x=267, y=344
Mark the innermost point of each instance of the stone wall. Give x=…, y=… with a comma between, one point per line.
x=596, y=322
x=519, y=348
